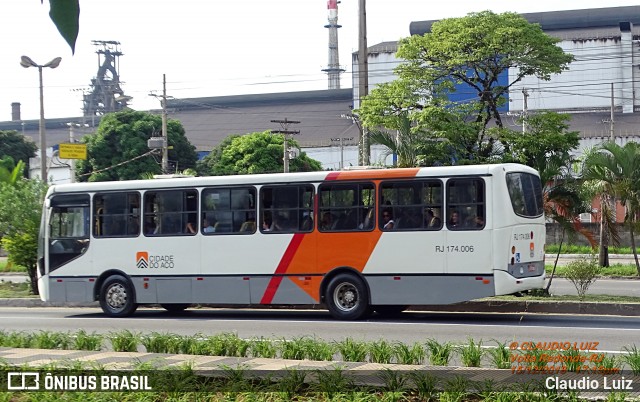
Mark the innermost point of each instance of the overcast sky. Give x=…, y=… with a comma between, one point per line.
x=206, y=47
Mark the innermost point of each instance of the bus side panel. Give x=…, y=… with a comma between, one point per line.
x=423, y=290
x=69, y=289
x=408, y=252
x=278, y=290
x=221, y=289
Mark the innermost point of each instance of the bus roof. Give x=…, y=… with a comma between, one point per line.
x=284, y=178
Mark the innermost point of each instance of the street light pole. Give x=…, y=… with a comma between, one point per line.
x=26, y=62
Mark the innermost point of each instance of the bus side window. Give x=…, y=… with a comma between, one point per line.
x=116, y=214
x=466, y=204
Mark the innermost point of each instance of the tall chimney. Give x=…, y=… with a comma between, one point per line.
x=333, y=70
x=15, y=111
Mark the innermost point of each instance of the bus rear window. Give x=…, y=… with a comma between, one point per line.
x=525, y=192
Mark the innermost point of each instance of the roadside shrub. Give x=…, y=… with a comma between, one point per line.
x=582, y=273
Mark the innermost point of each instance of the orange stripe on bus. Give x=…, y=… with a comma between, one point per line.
x=275, y=281
x=373, y=174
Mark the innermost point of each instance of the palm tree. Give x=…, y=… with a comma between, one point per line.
x=405, y=143
x=11, y=177
x=617, y=171
x=563, y=203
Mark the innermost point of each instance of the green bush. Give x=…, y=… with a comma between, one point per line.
x=582, y=273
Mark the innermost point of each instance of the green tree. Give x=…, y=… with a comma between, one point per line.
x=546, y=144
x=254, y=153
x=617, y=169
x=118, y=150
x=20, y=212
x=476, y=50
x=17, y=147
x=210, y=163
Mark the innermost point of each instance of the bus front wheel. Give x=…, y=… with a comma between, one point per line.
x=347, y=298
x=116, y=297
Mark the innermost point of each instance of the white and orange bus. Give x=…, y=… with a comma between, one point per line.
x=353, y=241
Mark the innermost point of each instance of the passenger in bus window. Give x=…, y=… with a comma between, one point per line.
x=454, y=220
x=281, y=224
x=190, y=228
x=433, y=222
x=368, y=220
x=266, y=224
x=387, y=220
x=207, y=227
x=479, y=221
x=150, y=227
x=327, y=221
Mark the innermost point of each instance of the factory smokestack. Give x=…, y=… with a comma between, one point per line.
x=333, y=70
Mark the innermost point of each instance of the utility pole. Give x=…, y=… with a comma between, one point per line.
x=72, y=140
x=341, y=140
x=363, y=76
x=611, y=132
x=286, y=132
x=525, y=110
x=606, y=202
x=165, y=138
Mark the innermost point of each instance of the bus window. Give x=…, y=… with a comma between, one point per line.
x=525, y=192
x=286, y=209
x=465, y=204
x=346, y=207
x=68, y=228
x=116, y=214
x=412, y=205
x=170, y=212
x=229, y=210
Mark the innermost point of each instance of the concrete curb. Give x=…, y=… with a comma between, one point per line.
x=489, y=306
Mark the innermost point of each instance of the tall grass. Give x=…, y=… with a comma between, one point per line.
x=381, y=351
x=632, y=358
x=353, y=350
x=124, y=341
x=85, y=341
x=472, y=353
x=439, y=353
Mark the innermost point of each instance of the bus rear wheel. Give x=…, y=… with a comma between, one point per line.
x=175, y=307
x=116, y=297
x=347, y=297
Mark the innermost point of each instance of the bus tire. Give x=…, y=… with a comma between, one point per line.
x=116, y=297
x=175, y=307
x=347, y=297
x=389, y=310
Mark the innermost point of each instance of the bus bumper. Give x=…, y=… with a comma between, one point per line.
x=43, y=288
x=507, y=284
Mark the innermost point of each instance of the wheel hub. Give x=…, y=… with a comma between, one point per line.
x=116, y=296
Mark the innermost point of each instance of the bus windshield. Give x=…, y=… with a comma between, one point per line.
x=525, y=192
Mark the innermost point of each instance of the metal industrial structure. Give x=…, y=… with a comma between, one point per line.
x=333, y=69
x=106, y=95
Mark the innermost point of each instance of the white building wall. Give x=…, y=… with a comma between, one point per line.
x=381, y=66
x=330, y=157
x=587, y=83
x=58, y=170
